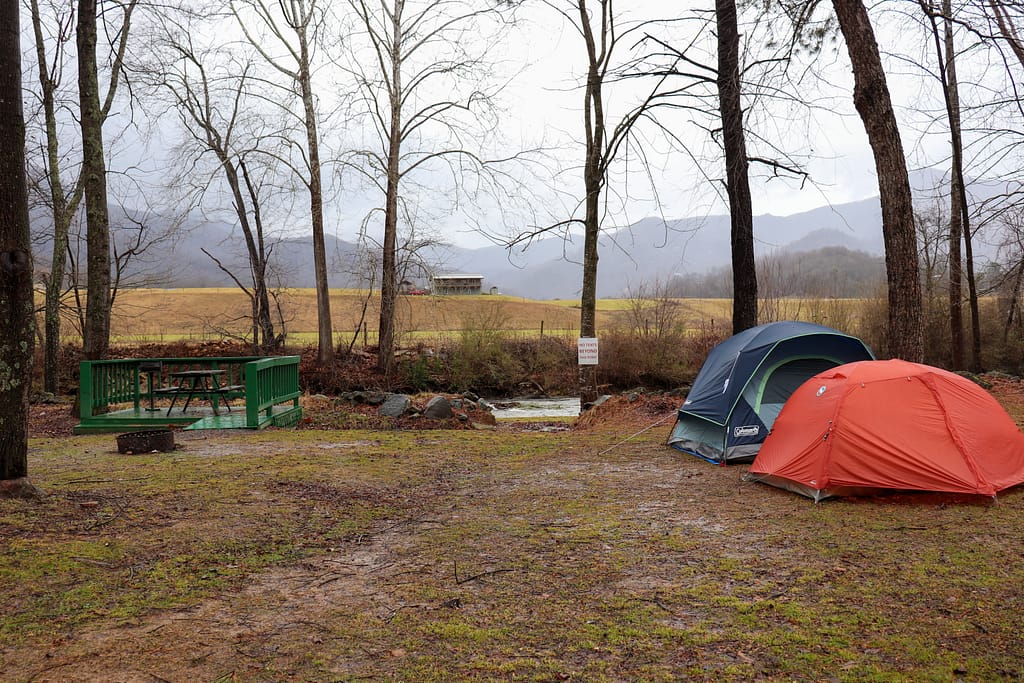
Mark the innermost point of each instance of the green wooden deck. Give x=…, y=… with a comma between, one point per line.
x=115, y=395
x=131, y=419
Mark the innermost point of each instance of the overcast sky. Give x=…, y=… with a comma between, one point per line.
x=831, y=140
x=543, y=58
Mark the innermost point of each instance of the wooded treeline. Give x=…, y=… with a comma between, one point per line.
x=393, y=114
x=829, y=272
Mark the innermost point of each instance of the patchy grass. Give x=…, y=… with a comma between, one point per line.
x=491, y=555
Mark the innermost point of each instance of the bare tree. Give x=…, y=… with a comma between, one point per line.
x=933, y=239
x=747, y=80
x=959, y=217
x=418, y=78
x=652, y=312
x=363, y=265
x=63, y=205
x=972, y=32
x=265, y=337
x=873, y=103
x=17, y=309
x=599, y=154
x=1010, y=284
x=286, y=34
x=741, y=213
x=1007, y=16
x=96, y=332
x=92, y=114
x=211, y=91
x=606, y=136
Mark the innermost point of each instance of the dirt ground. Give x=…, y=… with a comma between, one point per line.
x=550, y=563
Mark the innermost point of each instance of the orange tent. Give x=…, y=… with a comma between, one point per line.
x=876, y=425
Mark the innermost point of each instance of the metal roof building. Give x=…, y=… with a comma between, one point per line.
x=456, y=283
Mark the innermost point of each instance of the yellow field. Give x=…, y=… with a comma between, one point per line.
x=154, y=315
x=163, y=315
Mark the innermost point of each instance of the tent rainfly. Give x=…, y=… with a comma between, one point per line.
x=747, y=378
x=877, y=426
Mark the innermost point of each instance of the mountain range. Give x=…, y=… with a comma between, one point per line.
x=652, y=249
x=647, y=251
x=548, y=268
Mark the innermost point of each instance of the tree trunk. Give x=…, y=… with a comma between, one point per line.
x=593, y=182
x=389, y=282
x=263, y=325
x=972, y=298
x=1013, y=303
x=960, y=220
x=96, y=333
x=16, y=297
x=588, y=296
x=54, y=290
x=51, y=314
x=325, y=330
x=873, y=103
x=957, y=195
x=741, y=215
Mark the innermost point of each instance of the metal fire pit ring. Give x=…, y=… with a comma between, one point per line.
x=161, y=440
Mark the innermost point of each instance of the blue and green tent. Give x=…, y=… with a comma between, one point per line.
x=745, y=381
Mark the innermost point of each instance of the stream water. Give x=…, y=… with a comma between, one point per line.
x=536, y=407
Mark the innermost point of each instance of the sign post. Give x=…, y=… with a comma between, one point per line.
x=586, y=349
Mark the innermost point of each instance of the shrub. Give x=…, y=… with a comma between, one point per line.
x=547, y=364
x=651, y=345
x=480, y=360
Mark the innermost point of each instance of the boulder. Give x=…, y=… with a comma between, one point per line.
x=438, y=408
x=395, y=405
x=596, y=403
x=372, y=398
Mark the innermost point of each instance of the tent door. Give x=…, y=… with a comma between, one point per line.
x=782, y=380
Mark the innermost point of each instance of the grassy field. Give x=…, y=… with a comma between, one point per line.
x=202, y=314
x=166, y=315
x=154, y=315
x=514, y=554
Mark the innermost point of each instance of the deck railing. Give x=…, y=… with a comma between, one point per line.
x=269, y=382
x=264, y=382
x=105, y=383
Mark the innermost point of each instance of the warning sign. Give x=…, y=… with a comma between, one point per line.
x=587, y=349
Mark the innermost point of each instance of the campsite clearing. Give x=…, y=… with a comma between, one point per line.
x=523, y=552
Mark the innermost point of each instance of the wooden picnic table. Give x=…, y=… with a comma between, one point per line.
x=195, y=384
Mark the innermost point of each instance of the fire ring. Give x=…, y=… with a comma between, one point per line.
x=146, y=442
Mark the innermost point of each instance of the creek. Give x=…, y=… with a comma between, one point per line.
x=568, y=406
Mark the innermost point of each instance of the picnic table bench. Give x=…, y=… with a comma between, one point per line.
x=200, y=384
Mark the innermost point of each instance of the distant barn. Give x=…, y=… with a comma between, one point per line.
x=456, y=284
